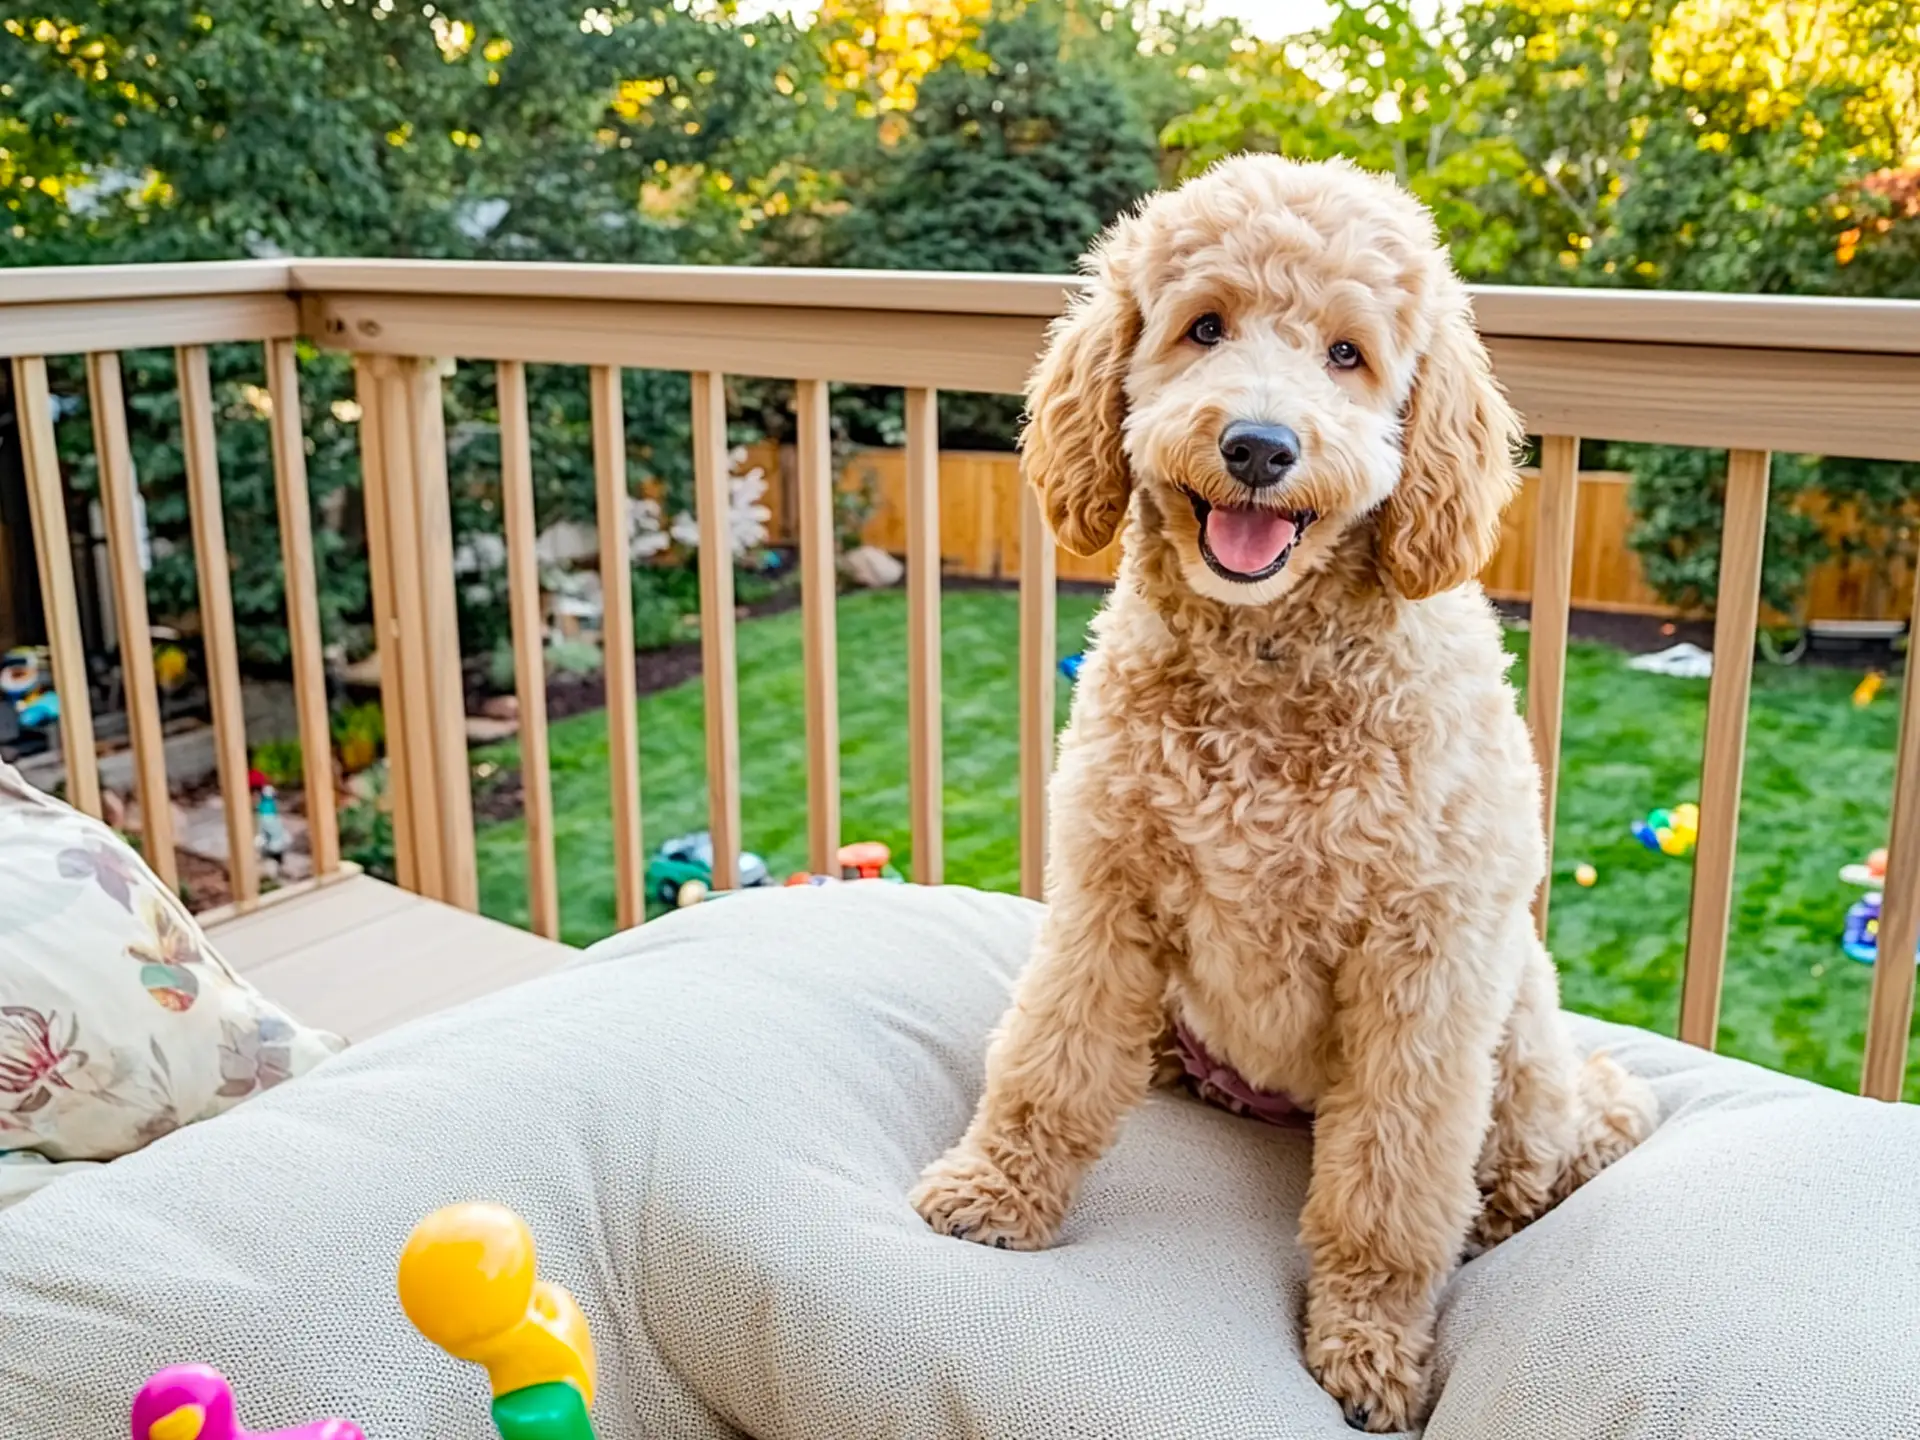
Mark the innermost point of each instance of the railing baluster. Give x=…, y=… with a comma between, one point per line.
x=1743, y=539
x=1037, y=647
x=1552, y=598
x=115, y=458
x=370, y=389
x=302, y=584
x=416, y=702
x=612, y=509
x=404, y=454
x=439, y=652
x=529, y=651
x=713, y=502
x=1890, y=1011
x=53, y=554
x=216, y=617
x=814, y=447
x=923, y=635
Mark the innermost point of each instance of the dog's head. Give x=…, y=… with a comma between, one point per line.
x=1274, y=353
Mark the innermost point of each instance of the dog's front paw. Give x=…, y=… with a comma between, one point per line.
x=967, y=1196
x=1372, y=1368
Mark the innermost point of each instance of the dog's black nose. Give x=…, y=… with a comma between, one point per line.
x=1257, y=453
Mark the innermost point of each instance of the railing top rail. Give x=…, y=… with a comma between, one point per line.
x=75, y=284
x=908, y=291
x=1778, y=322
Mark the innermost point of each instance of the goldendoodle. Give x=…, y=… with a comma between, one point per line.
x=1296, y=817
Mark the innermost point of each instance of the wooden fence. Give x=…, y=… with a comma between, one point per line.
x=980, y=536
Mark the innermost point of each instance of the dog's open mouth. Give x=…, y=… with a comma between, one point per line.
x=1247, y=543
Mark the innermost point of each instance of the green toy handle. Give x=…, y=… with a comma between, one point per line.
x=553, y=1411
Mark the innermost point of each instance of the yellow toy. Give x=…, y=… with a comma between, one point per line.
x=467, y=1282
x=1671, y=832
x=1584, y=875
x=1869, y=687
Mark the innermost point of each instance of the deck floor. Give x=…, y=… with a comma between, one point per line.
x=359, y=956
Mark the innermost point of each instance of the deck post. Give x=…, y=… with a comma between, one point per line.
x=410, y=543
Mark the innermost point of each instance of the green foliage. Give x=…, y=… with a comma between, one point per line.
x=359, y=732
x=1016, y=154
x=1673, y=143
x=144, y=131
x=1380, y=88
x=280, y=761
x=573, y=657
x=366, y=827
x=1679, y=501
x=565, y=657
x=662, y=599
x=1019, y=150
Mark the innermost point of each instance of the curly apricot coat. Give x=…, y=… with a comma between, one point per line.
x=1297, y=808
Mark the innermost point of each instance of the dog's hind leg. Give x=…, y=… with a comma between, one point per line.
x=1558, y=1119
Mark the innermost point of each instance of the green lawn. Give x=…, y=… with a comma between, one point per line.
x=1818, y=775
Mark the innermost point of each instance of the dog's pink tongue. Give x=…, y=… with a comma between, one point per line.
x=1247, y=540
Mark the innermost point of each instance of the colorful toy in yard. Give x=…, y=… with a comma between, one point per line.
x=860, y=860
x=25, y=685
x=867, y=860
x=469, y=1284
x=195, y=1402
x=1670, y=832
x=1070, y=666
x=271, y=838
x=688, y=858
x=1860, y=934
x=1868, y=687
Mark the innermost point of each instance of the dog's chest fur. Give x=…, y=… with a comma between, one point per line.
x=1274, y=781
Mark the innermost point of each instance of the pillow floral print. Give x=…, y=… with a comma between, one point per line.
x=119, y=1021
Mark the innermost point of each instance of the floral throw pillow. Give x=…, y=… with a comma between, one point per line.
x=119, y=1021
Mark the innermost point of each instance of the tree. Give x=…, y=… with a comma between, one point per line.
x=1380, y=88
x=1711, y=147
x=1017, y=153
x=139, y=131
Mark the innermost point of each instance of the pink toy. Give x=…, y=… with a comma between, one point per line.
x=194, y=1402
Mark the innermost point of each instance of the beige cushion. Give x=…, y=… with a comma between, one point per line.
x=119, y=1022
x=711, y=1126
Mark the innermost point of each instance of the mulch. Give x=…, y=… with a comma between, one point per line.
x=1644, y=634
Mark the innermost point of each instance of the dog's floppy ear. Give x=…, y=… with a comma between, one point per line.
x=1441, y=525
x=1076, y=405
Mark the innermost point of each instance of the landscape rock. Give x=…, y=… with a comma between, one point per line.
x=872, y=567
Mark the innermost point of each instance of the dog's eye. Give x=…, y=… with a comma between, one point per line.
x=1209, y=329
x=1344, y=355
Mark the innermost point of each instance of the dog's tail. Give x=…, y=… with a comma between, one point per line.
x=1615, y=1111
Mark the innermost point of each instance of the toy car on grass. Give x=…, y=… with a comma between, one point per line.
x=690, y=857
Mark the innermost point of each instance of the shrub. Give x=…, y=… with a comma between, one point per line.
x=358, y=733
x=280, y=761
x=366, y=827
x=1679, y=505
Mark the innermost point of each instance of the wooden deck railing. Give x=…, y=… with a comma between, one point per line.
x=1753, y=375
